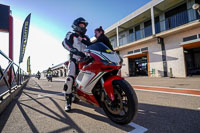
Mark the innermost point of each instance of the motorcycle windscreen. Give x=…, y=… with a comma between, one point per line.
x=99, y=46
x=101, y=49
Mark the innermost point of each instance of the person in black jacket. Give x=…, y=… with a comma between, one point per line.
x=101, y=37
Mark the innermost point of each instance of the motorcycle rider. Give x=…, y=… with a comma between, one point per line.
x=38, y=74
x=75, y=43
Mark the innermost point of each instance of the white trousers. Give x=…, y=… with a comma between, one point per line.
x=71, y=73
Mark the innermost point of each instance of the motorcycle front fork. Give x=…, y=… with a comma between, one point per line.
x=104, y=95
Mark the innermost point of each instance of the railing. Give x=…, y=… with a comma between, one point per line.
x=16, y=77
x=137, y=35
x=176, y=20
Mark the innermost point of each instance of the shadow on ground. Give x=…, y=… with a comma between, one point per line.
x=157, y=119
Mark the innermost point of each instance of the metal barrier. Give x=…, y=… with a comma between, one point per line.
x=15, y=77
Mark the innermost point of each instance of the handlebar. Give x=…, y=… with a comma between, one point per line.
x=86, y=59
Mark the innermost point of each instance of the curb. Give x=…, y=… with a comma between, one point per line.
x=8, y=98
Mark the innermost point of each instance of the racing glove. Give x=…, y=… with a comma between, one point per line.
x=76, y=52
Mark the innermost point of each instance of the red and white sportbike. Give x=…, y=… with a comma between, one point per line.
x=98, y=83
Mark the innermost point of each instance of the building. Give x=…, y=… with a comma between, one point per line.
x=59, y=70
x=160, y=39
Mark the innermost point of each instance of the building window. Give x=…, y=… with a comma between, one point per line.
x=113, y=43
x=147, y=28
x=137, y=50
x=144, y=49
x=131, y=36
x=176, y=17
x=122, y=40
x=130, y=52
x=189, y=38
x=157, y=25
x=138, y=33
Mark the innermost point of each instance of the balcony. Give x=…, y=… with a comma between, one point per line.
x=171, y=22
x=137, y=35
x=176, y=20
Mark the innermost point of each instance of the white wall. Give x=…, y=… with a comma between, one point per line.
x=175, y=54
x=155, y=57
x=125, y=68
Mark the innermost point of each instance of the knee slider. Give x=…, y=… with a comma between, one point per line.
x=65, y=87
x=68, y=79
x=68, y=85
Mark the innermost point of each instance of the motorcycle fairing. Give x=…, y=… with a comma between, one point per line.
x=86, y=80
x=109, y=86
x=87, y=97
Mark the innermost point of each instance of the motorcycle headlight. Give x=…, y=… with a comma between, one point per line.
x=107, y=63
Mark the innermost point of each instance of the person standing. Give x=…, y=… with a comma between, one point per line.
x=75, y=42
x=101, y=37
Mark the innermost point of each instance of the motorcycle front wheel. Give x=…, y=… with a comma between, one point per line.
x=125, y=106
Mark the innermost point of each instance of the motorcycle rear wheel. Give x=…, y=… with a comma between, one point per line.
x=125, y=106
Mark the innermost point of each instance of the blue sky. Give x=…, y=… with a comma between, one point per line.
x=54, y=18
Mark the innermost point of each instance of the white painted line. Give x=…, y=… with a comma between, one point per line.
x=59, y=79
x=48, y=95
x=46, y=86
x=198, y=108
x=138, y=128
x=140, y=110
x=168, y=92
x=166, y=87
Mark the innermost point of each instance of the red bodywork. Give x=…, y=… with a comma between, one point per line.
x=87, y=97
x=96, y=67
x=109, y=86
x=10, y=72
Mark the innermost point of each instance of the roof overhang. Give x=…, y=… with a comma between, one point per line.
x=136, y=55
x=191, y=44
x=134, y=14
x=166, y=5
x=142, y=14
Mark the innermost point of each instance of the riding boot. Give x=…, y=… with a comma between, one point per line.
x=69, y=102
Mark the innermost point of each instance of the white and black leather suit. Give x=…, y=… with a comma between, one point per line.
x=76, y=48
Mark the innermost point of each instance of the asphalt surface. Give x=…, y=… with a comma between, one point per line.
x=39, y=108
x=188, y=82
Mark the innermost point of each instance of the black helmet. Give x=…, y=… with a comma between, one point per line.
x=76, y=26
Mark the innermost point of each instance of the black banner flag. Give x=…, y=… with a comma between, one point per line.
x=24, y=37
